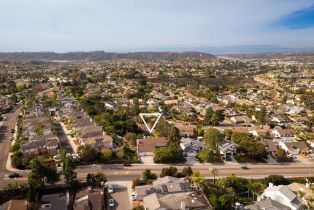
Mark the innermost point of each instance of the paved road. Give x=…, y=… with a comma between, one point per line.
x=5, y=140
x=120, y=173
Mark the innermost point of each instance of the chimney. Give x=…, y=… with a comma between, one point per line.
x=270, y=184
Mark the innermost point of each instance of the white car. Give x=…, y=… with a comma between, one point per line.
x=110, y=189
x=133, y=196
x=111, y=202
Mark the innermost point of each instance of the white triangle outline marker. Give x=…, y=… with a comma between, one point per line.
x=158, y=115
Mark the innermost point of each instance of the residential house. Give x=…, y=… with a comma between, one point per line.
x=267, y=204
x=35, y=148
x=58, y=201
x=295, y=110
x=227, y=149
x=177, y=201
x=84, y=122
x=271, y=146
x=147, y=145
x=186, y=130
x=264, y=132
x=89, y=199
x=283, y=195
x=304, y=188
x=99, y=142
x=281, y=133
x=299, y=119
x=171, y=102
x=191, y=147
x=165, y=185
x=91, y=131
x=295, y=147
x=243, y=120
x=278, y=119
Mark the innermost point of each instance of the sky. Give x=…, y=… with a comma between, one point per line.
x=137, y=25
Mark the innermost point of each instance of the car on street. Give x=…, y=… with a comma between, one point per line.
x=111, y=202
x=110, y=189
x=126, y=164
x=244, y=168
x=14, y=175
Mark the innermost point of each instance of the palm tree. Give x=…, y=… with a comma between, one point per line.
x=215, y=172
x=253, y=187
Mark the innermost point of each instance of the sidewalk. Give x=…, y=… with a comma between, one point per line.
x=8, y=164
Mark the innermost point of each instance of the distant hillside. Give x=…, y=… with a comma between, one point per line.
x=298, y=56
x=100, y=55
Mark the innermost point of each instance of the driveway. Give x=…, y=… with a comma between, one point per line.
x=121, y=194
x=147, y=160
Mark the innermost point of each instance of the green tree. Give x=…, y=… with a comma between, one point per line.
x=147, y=175
x=214, y=119
x=173, y=136
x=120, y=154
x=169, y=154
x=87, y=153
x=187, y=171
x=238, y=184
x=212, y=139
x=41, y=174
x=276, y=180
x=135, y=109
x=262, y=116
x=196, y=178
x=228, y=133
x=96, y=180
x=131, y=137
x=15, y=147
x=138, y=208
x=208, y=155
x=208, y=115
x=214, y=172
x=281, y=155
x=171, y=171
x=69, y=173
x=105, y=155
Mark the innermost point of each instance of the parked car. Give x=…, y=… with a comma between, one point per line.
x=12, y=130
x=133, y=196
x=111, y=202
x=14, y=175
x=244, y=168
x=110, y=189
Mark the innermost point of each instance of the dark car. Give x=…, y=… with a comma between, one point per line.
x=126, y=164
x=14, y=175
x=12, y=130
x=244, y=168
